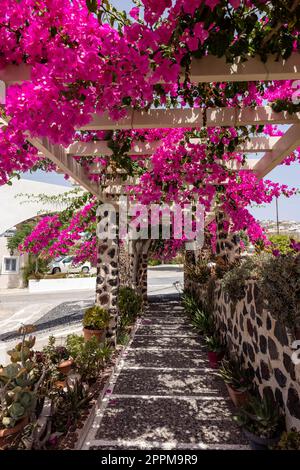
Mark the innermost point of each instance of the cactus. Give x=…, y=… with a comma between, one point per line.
x=17, y=399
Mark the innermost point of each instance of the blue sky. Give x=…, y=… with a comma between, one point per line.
x=289, y=209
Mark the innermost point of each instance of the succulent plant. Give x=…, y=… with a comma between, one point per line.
x=96, y=318
x=235, y=375
x=260, y=416
x=54, y=353
x=214, y=344
x=17, y=398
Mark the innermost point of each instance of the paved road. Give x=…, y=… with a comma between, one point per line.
x=47, y=310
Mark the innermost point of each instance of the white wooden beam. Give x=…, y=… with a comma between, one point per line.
x=214, y=69
x=282, y=149
x=58, y=155
x=153, y=119
x=260, y=115
x=98, y=148
x=208, y=69
x=192, y=118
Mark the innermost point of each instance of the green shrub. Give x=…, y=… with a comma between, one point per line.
x=281, y=243
x=234, y=281
x=280, y=284
x=199, y=272
x=154, y=262
x=96, y=318
x=129, y=303
x=89, y=356
x=290, y=440
x=34, y=269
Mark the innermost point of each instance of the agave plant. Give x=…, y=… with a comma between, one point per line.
x=214, y=344
x=237, y=377
x=202, y=321
x=261, y=417
x=189, y=302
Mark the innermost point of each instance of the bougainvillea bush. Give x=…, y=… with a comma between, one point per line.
x=85, y=57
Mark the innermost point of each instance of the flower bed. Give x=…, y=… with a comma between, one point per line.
x=47, y=396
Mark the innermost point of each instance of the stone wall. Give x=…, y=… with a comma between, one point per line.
x=263, y=343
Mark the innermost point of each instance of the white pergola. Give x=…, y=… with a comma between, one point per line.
x=273, y=150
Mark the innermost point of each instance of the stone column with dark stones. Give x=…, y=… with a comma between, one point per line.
x=107, y=285
x=139, y=253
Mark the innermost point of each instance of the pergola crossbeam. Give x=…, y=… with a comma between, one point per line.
x=214, y=69
x=193, y=118
x=98, y=148
x=208, y=69
x=287, y=144
x=57, y=154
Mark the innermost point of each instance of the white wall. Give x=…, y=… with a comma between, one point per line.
x=58, y=285
x=11, y=280
x=13, y=211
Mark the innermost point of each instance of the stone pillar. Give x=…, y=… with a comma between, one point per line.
x=107, y=284
x=124, y=264
x=139, y=252
x=227, y=244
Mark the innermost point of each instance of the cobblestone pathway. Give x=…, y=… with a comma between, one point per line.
x=163, y=394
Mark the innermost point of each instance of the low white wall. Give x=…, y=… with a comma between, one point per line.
x=55, y=285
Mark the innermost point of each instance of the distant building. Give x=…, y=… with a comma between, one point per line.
x=14, y=211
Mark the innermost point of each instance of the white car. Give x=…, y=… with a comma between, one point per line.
x=65, y=265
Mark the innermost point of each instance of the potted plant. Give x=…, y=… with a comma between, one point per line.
x=261, y=421
x=59, y=356
x=237, y=380
x=95, y=322
x=215, y=351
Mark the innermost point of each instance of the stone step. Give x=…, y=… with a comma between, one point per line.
x=165, y=358
x=186, y=420
x=172, y=382
x=167, y=342
x=176, y=321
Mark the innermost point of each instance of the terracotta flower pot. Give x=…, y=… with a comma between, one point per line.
x=7, y=433
x=215, y=359
x=65, y=366
x=88, y=334
x=238, y=398
x=60, y=383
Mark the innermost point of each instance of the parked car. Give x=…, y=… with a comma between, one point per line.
x=65, y=265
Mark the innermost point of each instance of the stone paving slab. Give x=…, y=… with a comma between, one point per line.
x=168, y=419
x=167, y=342
x=175, y=332
x=165, y=321
x=169, y=328
x=171, y=382
x=165, y=358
